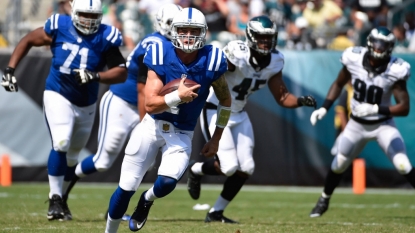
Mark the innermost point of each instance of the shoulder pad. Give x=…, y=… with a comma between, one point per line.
x=399, y=69
x=352, y=54
x=217, y=59
x=112, y=35
x=236, y=51
x=52, y=24
x=277, y=61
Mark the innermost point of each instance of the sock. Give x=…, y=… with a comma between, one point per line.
x=232, y=186
x=88, y=166
x=163, y=186
x=55, y=184
x=332, y=181
x=69, y=175
x=119, y=203
x=150, y=196
x=112, y=225
x=411, y=177
x=197, y=169
x=325, y=195
x=56, y=171
x=208, y=168
x=220, y=204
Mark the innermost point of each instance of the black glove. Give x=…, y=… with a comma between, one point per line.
x=85, y=76
x=8, y=80
x=307, y=101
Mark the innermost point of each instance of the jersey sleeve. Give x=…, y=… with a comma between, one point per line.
x=400, y=69
x=236, y=51
x=113, y=36
x=351, y=55
x=217, y=62
x=51, y=25
x=154, y=58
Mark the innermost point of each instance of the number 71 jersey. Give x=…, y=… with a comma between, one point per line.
x=72, y=50
x=245, y=80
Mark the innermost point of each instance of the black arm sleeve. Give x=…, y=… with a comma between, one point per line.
x=142, y=70
x=114, y=58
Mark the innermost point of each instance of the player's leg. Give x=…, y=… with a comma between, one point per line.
x=243, y=136
x=353, y=140
x=60, y=119
x=175, y=158
x=392, y=143
x=141, y=150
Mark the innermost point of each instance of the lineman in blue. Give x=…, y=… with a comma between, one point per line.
x=81, y=48
x=170, y=120
x=122, y=106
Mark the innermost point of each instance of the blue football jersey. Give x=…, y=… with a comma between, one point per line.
x=72, y=50
x=209, y=65
x=128, y=90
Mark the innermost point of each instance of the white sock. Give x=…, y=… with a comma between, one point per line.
x=112, y=225
x=55, y=184
x=197, y=169
x=149, y=196
x=325, y=195
x=220, y=204
x=78, y=171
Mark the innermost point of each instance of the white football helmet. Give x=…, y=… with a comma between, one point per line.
x=86, y=25
x=165, y=17
x=189, y=18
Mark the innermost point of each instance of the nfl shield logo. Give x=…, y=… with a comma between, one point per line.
x=166, y=127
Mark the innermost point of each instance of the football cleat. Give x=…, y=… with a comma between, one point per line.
x=55, y=208
x=217, y=216
x=67, y=215
x=321, y=207
x=193, y=182
x=139, y=217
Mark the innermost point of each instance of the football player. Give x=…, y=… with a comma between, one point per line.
x=122, y=106
x=252, y=65
x=81, y=48
x=170, y=120
x=375, y=76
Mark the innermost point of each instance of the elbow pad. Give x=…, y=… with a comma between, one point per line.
x=223, y=114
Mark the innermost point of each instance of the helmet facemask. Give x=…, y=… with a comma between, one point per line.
x=380, y=43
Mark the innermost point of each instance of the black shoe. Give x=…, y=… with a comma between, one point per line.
x=139, y=217
x=217, y=216
x=321, y=207
x=67, y=215
x=55, y=208
x=193, y=182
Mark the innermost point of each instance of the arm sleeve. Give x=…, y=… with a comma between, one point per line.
x=114, y=58
x=51, y=25
x=142, y=70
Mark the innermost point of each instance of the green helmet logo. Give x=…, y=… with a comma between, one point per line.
x=380, y=43
x=256, y=29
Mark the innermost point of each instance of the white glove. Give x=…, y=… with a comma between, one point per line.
x=317, y=115
x=366, y=109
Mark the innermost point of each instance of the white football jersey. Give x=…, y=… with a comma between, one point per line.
x=245, y=79
x=369, y=87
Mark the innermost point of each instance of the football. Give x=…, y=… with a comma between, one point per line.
x=173, y=85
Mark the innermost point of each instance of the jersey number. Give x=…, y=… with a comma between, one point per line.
x=373, y=95
x=243, y=87
x=74, y=51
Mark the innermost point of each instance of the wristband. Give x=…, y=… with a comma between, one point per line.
x=384, y=110
x=172, y=99
x=327, y=104
x=223, y=114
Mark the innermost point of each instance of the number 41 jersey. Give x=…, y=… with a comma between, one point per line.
x=245, y=79
x=370, y=86
x=72, y=50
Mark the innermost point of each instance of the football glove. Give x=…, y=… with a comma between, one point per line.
x=307, y=101
x=317, y=115
x=366, y=109
x=84, y=76
x=8, y=80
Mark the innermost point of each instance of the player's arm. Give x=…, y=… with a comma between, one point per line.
x=117, y=70
x=37, y=37
x=336, y=88
x=283, y=97
x=401, y=108
x=221, y=90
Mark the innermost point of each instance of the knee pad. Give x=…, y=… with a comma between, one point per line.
x=62, y=145
x=163, y=186
x=340, y=163
x=401, y=163
x=248, y=167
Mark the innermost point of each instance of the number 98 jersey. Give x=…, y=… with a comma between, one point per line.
x=72, y=50
x=245, y=80
x=369, y=86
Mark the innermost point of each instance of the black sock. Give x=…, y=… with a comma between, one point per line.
x=332, y=180
x=208, y=168
x=411, y=177
x=70, y=186
x=232, y=186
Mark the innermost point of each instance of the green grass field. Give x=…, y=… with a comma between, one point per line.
x=257, y=208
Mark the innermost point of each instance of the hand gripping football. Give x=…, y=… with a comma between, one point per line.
x=174, y=85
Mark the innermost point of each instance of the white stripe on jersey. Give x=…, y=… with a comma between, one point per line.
x=54, y=21
x=160, y=45
x=212, y=59
x=115, y=36
x=219, y=60
x=153, y=51
x=111, y=34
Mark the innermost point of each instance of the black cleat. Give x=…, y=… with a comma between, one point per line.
x=193, y=182
x=321, y=207
x=55, y=208
x=217, y=216
x=67, y=215
x=139, y=217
